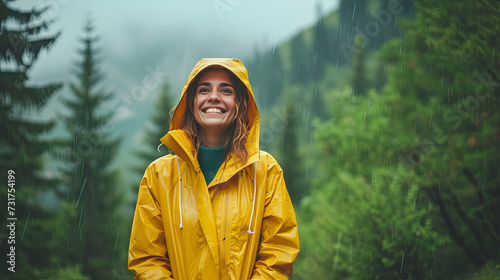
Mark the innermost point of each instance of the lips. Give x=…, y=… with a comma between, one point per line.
x=213, y=110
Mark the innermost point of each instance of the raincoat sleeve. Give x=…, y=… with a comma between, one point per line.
x=148, y=258
x=279, y=235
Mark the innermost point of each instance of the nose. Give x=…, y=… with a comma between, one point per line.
x=214, y=96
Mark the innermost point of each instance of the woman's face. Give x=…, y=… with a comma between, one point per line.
x=214, y=103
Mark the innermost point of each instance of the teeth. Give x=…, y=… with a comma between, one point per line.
x=213, y=110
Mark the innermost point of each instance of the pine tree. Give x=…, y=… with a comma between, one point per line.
x=22, y=145
x=291, y=161
x=154, y=130
x=91, y=183
x=318, y=104
x=358, y=81
x=299, y=72
x=321, y=47
x=352, y=19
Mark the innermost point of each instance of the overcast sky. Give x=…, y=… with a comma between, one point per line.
x=155, y=32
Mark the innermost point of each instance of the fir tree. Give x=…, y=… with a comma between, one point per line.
x=321, y=47
x=299, y=72
x=91, y=183
x=358, y=81
x=23, y=35
x=318, y=104
x=352, y=19
x=156, y=129
x=293, y=169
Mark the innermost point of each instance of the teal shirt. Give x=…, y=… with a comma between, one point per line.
x=210, y=160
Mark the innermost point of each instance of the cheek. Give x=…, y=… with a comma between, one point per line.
x=231, y=104
x=197, y=102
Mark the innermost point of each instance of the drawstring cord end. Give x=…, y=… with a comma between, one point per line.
x=249, y=231
x=159, y=147
x=180, y=191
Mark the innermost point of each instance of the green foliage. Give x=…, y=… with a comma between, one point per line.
x=63, y=273
x=490, y=271
x=408, y=186
x=367, y=197
x=448, y=57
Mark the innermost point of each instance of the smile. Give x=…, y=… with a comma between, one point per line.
x=214, y=110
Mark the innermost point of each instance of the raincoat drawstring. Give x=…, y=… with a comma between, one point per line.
x=253, y=200
x=180, y=190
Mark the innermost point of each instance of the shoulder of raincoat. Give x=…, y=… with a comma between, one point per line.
x=241, y=226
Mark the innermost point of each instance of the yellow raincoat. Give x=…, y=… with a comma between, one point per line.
x=241, y=226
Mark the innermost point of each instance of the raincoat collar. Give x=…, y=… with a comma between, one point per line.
x=180, y=143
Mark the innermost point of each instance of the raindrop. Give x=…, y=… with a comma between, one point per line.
x=81, y=191
x=402, y=261
x=353, y=11
x=116, y=241
x=350, y=252
x=274, y=45
x=25, y=225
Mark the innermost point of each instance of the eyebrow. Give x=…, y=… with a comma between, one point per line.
x=221, y=84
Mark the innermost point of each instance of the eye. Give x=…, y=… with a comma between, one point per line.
x=203, y=90
x=227, y=91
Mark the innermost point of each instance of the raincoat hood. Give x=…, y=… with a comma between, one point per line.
x=237, y=68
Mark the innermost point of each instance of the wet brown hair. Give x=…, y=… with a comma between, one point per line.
x=237, y=136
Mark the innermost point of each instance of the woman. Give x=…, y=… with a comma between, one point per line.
x=218, y=208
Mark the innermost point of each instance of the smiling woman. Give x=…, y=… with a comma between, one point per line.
x=218, y=208
x=215, y=90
